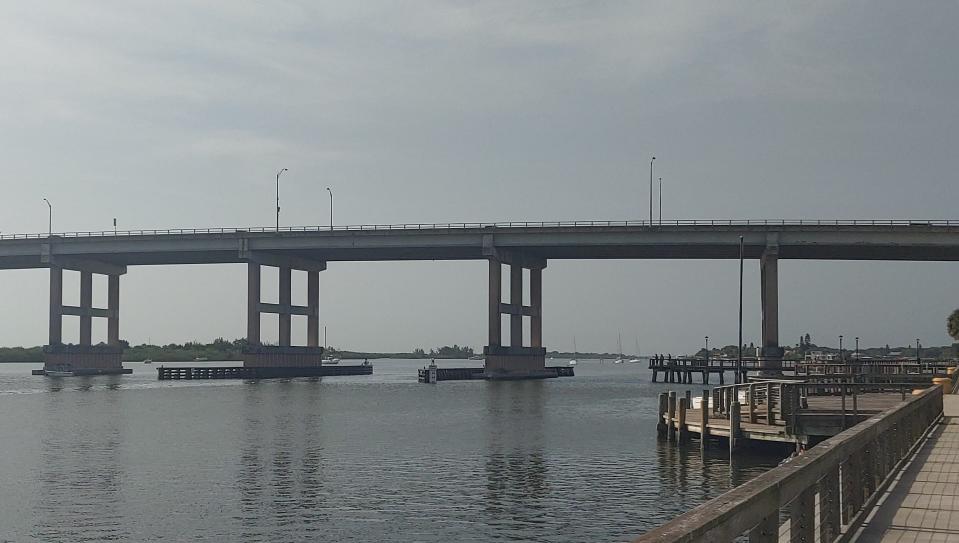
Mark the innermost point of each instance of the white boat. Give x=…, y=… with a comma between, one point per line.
x=147, y=361
x=573, y=361
x=331, y=361
x=619, y=343
x=58, y=373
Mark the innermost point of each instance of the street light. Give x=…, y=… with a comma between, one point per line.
x=331, y=207
x=857, y=348
x=918, y=358
x=49, y=218
x=660, y=200
x=651, y=190
x=707, y=349
x=114, y=226
x=739, y=362
x=840, y=348
x=278, y=197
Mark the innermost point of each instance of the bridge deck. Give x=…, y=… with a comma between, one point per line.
x=923, y=502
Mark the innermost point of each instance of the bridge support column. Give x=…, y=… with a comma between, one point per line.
x=772, y=353
x=84, y=358
x=518, y=360
x=284, y=355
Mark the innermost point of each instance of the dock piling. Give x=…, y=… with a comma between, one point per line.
x=734, y=420
x=661, y=428
x=704, y=422
x=670, y=425
x=683, y=429
x=752, y=403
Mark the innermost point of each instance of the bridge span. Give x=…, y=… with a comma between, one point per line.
x=519, y=245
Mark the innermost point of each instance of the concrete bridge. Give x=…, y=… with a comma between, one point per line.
x=523, y=245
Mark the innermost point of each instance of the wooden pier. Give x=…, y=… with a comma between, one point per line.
x=432, y=374
x=683, y=369
x=240, y=372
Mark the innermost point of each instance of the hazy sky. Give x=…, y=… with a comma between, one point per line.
x=178, y=114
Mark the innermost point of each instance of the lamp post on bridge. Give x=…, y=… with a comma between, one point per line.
x=918, y=358
x=840, y=349
x=49, y=218
x=278, y=197
x=651, y=190
x=331, y=207
x=857, y=348
x=660, y=200
x=739, y=361
x=707, y=350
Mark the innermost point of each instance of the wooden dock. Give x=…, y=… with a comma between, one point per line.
x=240, y=372
x=435, y=374
x=797, y=412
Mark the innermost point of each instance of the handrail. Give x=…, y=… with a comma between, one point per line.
x=846, y=471
x=482, y=225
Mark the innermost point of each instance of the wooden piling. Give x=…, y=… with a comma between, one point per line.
x=751, y=391
x=734, y=420
x=661, y=421
x=683, y=429
x=704, y=422
x=671, y=416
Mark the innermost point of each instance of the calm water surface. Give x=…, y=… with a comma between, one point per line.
x=129, y=458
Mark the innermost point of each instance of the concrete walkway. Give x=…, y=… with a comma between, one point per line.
x=922, y=504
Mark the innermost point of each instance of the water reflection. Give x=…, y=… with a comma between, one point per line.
x=516, y=470
x=81, y=469
x=280, y=470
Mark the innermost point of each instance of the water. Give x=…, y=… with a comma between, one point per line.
x=129, y=458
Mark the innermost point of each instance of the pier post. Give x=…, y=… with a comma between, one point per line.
x=704, y=422
x=683, y=430
x=802, y=523
x=770, y=418
x=671, y=416
x=661, y=428
x=733, y=428
x=752, y=403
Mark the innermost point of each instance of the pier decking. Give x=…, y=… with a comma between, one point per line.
x=240, y=372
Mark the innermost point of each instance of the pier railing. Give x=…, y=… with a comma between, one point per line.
x=844, y=474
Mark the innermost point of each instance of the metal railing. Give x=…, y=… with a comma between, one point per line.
x=481, y=225
x=845, y=474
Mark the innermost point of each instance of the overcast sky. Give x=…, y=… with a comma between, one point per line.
x=179, y=113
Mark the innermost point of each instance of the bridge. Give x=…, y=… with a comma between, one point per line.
x=518, y=245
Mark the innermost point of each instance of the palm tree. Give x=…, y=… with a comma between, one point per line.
x=952, y=325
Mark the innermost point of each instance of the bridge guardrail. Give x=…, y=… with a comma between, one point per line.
x=477, y=225
x=847, y=473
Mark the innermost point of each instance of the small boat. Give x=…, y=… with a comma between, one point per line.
x=573, y=361
x=148, y=361
x=619, y=343
x=59, y=373
x=200, y=359
x=331, y=361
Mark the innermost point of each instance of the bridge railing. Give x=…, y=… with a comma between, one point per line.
x=478, y=225
x=846, y=473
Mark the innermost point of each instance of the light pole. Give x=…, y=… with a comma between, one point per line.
x=918, y=358
x=114, y=226
x=707, y=350
x=278, y=197
x=857, y=348
x=651, y=190
x=840, y=349
x=331, y=207
x=739, y=362
x=660, y=200
x=49, y=218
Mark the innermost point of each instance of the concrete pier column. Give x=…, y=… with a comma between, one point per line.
x=495, y=296
x=56, y=305
x=286, y=299
x=86, y=307
x=536, y=301
x=769, y=277
x=313, y=305
x=516, y=300
x=113, y=308
x=253, y=304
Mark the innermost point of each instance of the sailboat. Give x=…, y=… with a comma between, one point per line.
x=635, y=360
x=619, y=343
x=573, y=361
